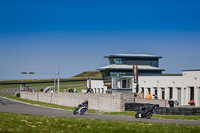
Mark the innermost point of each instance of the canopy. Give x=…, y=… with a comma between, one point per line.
x=47, y=88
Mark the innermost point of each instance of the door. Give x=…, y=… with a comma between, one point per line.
x=179, y=96
x=170, y=92
x=156, y=91
x=123, y=83
x=163, y=93
x=149, y=90
x=191, y=93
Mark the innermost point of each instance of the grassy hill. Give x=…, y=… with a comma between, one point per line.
x=171, y=74
x=86, y=75
x=79, y=77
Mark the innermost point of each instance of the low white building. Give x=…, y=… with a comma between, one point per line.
x=181, y=89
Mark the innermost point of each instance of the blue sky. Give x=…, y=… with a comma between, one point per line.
x=41, y=35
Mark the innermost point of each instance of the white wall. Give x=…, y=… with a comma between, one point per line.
x=97, y=85
x=189, y=79
x=192, y=79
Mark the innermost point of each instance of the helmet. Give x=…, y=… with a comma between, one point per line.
x=86, y=101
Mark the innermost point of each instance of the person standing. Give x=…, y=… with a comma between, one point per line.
x=41, y=90
x=141, y=94
x=153, y=97
x=148, y=96
x=75, y=91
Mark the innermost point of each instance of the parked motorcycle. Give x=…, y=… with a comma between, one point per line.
x=145, y=112
x=81, y=109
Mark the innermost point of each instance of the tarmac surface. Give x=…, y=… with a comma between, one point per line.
x=7, y=105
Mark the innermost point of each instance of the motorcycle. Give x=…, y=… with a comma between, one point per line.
x=81, y=109
x=145, y=112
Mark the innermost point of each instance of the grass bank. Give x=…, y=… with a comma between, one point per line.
x=125, y=113
x=35, y=83
x=10, y=122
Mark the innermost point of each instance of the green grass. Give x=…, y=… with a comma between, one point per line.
x=178, y=117
x=41, y=84
x=10, y=122
x=9, y=86
x=37, y=80
x=78, y=88
x=86, y=75
x=125, y=113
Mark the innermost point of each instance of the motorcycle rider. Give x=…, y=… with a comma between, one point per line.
x=84, y=104
x=82, y=108
x=145, y=111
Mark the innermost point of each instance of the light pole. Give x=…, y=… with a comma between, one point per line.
x=58, y=79
x=48, y=73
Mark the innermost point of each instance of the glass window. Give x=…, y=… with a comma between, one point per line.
x=112, y=61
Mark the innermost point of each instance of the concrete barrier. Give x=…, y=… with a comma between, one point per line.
x=98, y=101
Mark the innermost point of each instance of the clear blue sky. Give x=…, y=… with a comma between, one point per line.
x=40, y=35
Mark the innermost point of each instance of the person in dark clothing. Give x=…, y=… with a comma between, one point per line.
x=41, y=90
x=88, y=90
x=84, y=104
x=156, y=97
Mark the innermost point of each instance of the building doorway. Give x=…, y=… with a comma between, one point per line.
x=170, y=92
x=142, y=95
x=156, y=91
x=143, y=90
x=149, y=90
x=191, y=93
x=179, y=96
x=124, y=83
x=163, y=93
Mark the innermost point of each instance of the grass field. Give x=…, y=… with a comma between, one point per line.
x=14, y=85
x=10, y=122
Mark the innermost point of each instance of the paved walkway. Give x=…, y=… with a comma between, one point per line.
x=7, y=105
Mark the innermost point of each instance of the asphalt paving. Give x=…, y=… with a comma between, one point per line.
x=7, y=105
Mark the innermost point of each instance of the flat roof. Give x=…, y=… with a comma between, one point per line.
x=133, y=56
x=192, y=70
x=129, y=67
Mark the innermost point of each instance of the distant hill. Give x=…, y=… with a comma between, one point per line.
x=98, y=75
x=86, y=75
x=171, y=74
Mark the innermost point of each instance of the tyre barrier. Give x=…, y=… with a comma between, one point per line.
x=165, y=110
